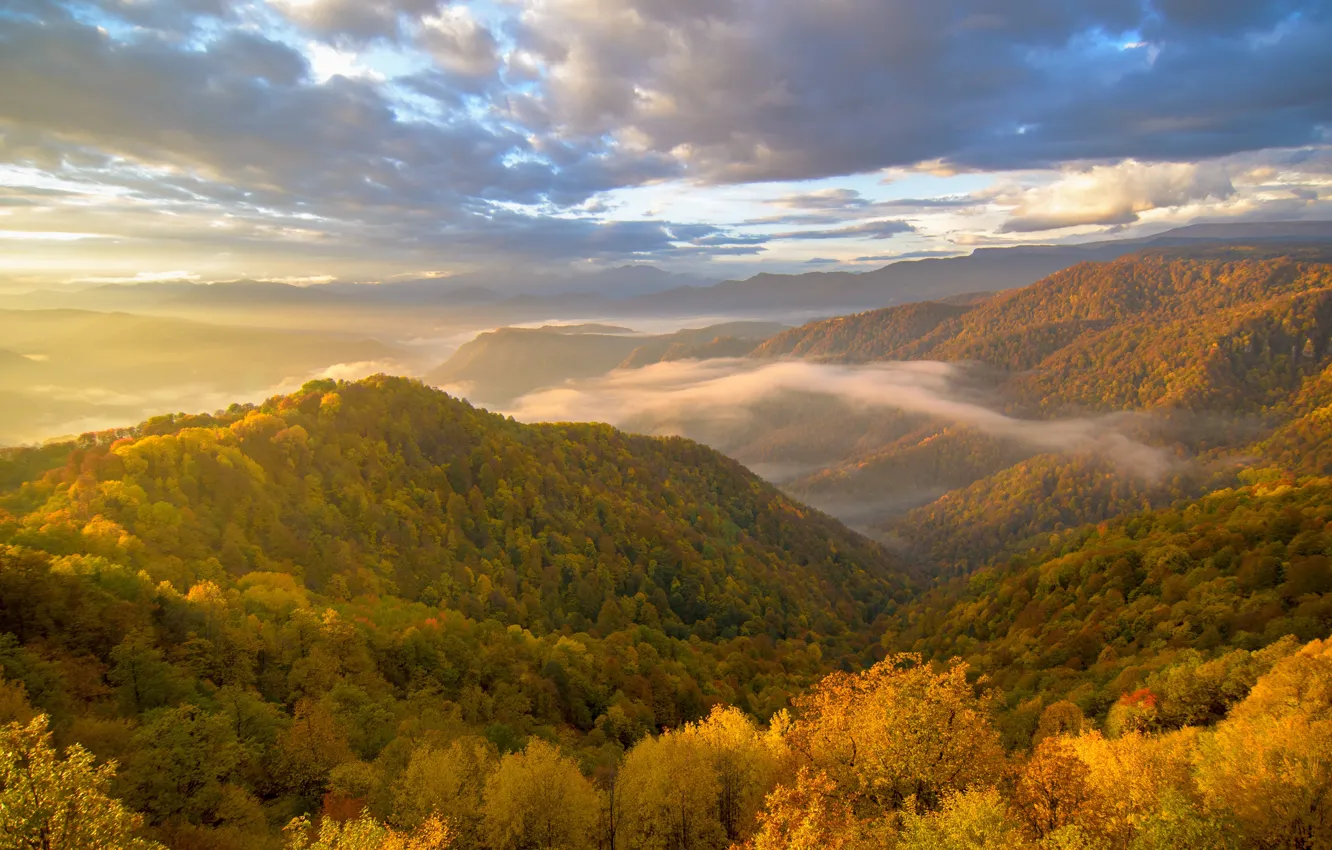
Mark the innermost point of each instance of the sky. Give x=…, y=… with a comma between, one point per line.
x=307, y=140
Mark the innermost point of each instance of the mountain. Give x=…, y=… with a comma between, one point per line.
x=504, y=297
x=372, y=603
x=477, y=289
x=355, y=569
x=1086, y=613
x=1203, y=354
x=284, y=488
x=498, y=366
x=984, y=270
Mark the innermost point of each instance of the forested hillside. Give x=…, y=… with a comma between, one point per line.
x=1251, y=304
x=370, y=615
x=1219, y=354
x=347, y=573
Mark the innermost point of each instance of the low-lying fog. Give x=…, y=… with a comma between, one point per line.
x=727, y=396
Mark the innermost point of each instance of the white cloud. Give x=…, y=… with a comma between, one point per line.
x=48, y=235
x=142, y=277
x=1114, y=194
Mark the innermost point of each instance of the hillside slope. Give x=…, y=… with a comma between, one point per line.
x=371, y=596
x=1150, y=329
x=1098, y=611
x=397, y=489
x=1210, y=351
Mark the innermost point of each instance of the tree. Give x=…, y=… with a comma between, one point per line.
x=897, y=732
x=1053, y=790
x=365, y=833
x=971, y=820
x=1060, y=718
x=181, y=762
x=744, y=761
x=806, y=815
x=538, y=800
x=312, y=747
x=144, y=680
x=50, y=803
x=448, y=781
x=1131, y=776
x=1269, y=765
x=670, y=793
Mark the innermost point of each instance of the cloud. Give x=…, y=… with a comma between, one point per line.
x=785, y=89
x=238, y=146
x=834, y=206
x=869, y=230
x=823, y=199
x=685, y=397
x=143, y=277
x=908, y=255
x=358, y=20
x=460, y=45
x=64, y=410
x=1108, y=195
x=455, y=134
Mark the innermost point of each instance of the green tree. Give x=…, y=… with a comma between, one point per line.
x=53, y=803
x=182, y=760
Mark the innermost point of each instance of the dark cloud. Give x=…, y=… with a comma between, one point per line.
x=1218, y=15
x=167, y=16
x=256, y=57
x=785, y=89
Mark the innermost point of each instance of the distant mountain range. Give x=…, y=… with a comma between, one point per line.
x=984, y=270
x=487, y=299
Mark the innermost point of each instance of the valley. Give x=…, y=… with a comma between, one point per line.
x=1095, y=533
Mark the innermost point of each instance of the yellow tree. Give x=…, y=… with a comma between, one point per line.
x=745, y=762
x=365, y=833
x=539, y=800
x=1053, y=790
x=1060, y=718
x=970, y=820
x=50, y=803
x=899, y=731
x=669, y=793
x=1269, y=764
x=450, y=781
x=807, y=815
x=1130, y=777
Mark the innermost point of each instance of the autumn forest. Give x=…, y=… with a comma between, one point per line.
x=369, y=614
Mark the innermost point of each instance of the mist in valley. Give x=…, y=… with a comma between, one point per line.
x=865, y=443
